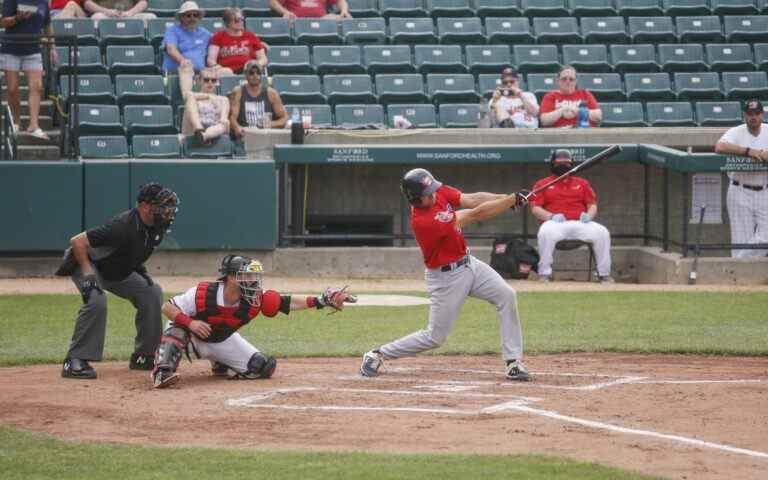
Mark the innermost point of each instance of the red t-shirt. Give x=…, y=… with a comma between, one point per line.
x=554, y=100
x=234, y=52
x=60, y=4
x=308, y=8
x=441, y=241
x=569, y=197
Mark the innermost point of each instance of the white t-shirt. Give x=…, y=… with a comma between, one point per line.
x=520, y=116
x=740, y=136
x=186, y=301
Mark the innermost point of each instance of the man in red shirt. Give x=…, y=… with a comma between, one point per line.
x=438, y=213
x=230, y=49
x=567, y=210
x=291, y=9
x=560, y=108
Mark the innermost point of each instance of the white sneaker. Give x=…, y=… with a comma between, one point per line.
x=517, y=371
x=372, y=361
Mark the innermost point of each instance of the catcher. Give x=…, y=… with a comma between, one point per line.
x=210, y=314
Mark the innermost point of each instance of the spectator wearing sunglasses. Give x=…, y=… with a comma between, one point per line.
x=560, y=108
x=292, y=9
x=511, y=106
x=185, y=45
x=206, y=115
x=250, y=104
x=230, y=49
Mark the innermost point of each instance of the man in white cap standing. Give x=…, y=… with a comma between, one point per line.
x=185, y=45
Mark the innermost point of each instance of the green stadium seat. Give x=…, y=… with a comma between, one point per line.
x=718, y=114
x=140, y=89
x=402, y=8
x=761, y=55
x=762, y=6
x=606, y=87
x=96, y=120
x=274, y=31
x=684, y=57
x=536, y=58
x=149, y=120
x=450, y=8
x=228, y=83
x=215, y=8
x=363, y=8
x=508, y=30
x=83, y=28
x=213, y=25
x=156, y=30
x=697, y=86
x=745, y=85
x=592, y=8
x=699, y=29
x=88, y=61
x=260, y=8
x=316, y=31
x=634, y=58
x=461, y=30
x=648, y=86
x=623, y=114
x=556, y=30
x=540, y=84
x=412, y=30
x=131, y=59
x=103, y=147
x=438, y=59
x=163, y=8
x=745, y=28
x=388, y=59
x=420, y=116
x=348, y=89
x=464, y=115
x=156, y=146
x=497, y=8
x=400, y=88
x=451, y=88
x=734, y=7
x=174, y=90
x=90, y=89
x=221, y=148
x=487, y=58
x=488, y=82
x=651, y=29
x=604, y=30
x=366, y=30
x=729, y=57
x=290, y=59
x=544, y=8
x=639, y=8
x=587, y=58
x=681, y=8
x=669, y=114
x=128, y=31
x=299, y=88
x=321, y=114
x=338, y=59
x=359, y=116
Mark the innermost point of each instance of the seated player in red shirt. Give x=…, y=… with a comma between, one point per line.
x=567, y=210
x=230, y=49
x=291, y=9
x=560, y=108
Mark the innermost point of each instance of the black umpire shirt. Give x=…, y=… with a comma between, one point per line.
x=122, y=245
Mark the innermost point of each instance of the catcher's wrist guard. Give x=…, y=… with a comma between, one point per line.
x=182, y=319
x=315, y=302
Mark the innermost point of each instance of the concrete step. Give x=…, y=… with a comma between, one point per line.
x=24, y=139
x=39, y=152
x=46, y=108
x=45, y=121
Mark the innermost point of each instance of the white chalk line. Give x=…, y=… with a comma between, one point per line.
x=693, y=382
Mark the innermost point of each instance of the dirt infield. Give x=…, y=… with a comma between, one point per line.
x=673, y=416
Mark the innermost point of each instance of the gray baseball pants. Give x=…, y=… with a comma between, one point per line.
x=91, y=325
x=448, y=291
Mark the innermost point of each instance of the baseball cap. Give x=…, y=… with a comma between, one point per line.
x=251, y=64
x=509, y=72
x=753, y=106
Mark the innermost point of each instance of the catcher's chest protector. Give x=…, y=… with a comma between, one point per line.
x=224, y=321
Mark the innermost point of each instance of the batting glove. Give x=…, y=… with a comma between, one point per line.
x=558, y=218
x=584, y=218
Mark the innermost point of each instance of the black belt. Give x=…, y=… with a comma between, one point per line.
x=757, y=188
x=455, y=265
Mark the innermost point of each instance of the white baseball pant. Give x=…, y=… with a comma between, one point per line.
x=748, y=212
x=234, y=352
x=552, y=232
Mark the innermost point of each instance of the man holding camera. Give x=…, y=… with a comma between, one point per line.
x=511, y=106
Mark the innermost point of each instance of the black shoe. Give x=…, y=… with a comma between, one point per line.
x=219, y=369
x=516, y=371
x=76, y=368
x=141, y=362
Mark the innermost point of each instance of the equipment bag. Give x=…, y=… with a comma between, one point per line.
x=514, y=258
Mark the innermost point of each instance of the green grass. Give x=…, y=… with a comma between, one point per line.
x=26, y=456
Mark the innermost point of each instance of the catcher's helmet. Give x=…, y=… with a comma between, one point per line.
x=248, y=274
x=164, y=202
x=418, y=183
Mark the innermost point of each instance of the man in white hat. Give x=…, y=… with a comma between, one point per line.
x=185, y=45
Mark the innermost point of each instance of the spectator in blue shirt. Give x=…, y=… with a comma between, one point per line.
x=185, y=45
x=28, y=18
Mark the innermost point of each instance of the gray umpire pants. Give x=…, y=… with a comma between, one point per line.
x=91, y=325
x=448, y=291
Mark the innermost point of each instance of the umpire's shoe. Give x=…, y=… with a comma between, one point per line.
x=76, y=368
x=372, y=362
x=140, y=361
x=517, y=371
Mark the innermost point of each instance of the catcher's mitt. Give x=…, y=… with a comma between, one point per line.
x=335, y=298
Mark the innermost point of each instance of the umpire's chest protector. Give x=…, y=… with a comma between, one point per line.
x=224, y=321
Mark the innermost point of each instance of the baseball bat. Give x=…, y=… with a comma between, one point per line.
x=588, y=163
x=694, y=268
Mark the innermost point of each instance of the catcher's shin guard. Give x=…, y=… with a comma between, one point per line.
x=259, y=366
x=168, y=356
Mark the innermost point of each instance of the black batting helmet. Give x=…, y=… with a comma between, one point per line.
x=418, y=183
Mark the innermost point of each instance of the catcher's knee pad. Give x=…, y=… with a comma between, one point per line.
x=259, y=366
x=172, y=344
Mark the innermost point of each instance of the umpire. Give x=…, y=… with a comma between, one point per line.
x=111, y=257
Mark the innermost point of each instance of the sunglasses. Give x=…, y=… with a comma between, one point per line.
x=191, y=15
x=210, y=80
x=254, y=71
x=238, y=19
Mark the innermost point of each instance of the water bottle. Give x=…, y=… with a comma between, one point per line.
x=297, y=128
x=483, y=115
x=583, y=116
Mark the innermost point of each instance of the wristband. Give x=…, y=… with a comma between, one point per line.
x=314, y=302
x=182, y=319
x=746, y=154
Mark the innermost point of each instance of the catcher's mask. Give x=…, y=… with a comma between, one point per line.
x=560, y=162
x=418, y=183
x=248, y=274
x=163, y=201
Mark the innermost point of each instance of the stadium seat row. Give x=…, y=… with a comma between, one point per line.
x=151, y=146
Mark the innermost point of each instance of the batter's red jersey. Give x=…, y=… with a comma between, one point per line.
x=441, y=241
x=569, y=197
